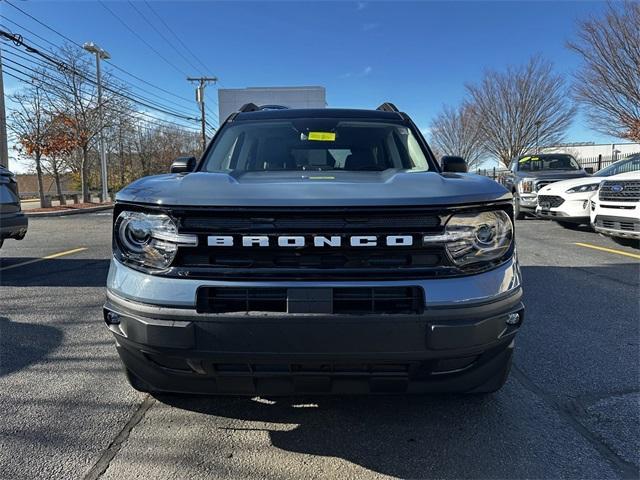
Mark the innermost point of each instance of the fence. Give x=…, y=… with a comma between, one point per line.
x=601, y=161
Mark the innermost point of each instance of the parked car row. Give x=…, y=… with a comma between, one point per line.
x=608, y=201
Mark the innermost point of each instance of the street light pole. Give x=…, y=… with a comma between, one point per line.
x=538, y=122
x=100, y=55
x=202, y=83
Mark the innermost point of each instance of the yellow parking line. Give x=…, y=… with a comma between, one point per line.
x=48, y=257
x=609, y=250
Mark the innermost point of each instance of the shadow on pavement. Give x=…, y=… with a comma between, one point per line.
x=23, y=344
x=63, y=272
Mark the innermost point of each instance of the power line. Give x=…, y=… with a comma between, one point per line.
x=61, y=35
x=142, y=101
x=61, y=64
x=161, y=35
x=140, y=38
x=184, y=99
x=128, y=113
x=176, y=36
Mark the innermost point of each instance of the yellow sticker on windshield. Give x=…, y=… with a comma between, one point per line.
x=322, y=136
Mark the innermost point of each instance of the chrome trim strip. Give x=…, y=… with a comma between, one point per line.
x=140, y=287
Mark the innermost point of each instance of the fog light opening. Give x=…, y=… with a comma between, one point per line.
x=513, y=319
x=112, y=318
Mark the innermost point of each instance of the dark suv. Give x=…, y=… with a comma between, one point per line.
x=315, y=251
x=529, y=173
x=13, y=223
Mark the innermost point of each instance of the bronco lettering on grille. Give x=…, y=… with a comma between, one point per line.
x=297, y=241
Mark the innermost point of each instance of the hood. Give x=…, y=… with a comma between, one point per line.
x=551, y=174
x=295, y=188
x=563, y=185
x=625, y=176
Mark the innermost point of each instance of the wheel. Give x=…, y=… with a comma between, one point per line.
x=496, y=382
x=517, y=214
x=569, y=225
x=137, y=383
x=627, y=242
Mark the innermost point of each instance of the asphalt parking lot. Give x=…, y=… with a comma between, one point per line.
x=570, y=408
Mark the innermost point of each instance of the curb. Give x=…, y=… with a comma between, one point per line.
x=64, y=213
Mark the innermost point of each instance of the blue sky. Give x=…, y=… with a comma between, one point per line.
x=418, y=55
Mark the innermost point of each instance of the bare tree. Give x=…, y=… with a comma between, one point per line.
x=455, y=131
x=74, y=94
x=28, y=121
x=521, y=108
x=608, y=84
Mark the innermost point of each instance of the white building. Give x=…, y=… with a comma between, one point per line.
x=231, y=99
x=591, y=151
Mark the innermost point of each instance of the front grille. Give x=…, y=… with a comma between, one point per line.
x=346, y=300
x=309, y=261
x=620, y=191
x=617, y=224
x=553, y=200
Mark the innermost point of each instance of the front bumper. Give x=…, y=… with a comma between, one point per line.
x=573, y=209
x=13, y=225
x=616, y=226
x=455, y=345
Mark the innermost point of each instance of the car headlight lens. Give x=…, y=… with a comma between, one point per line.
x=475, y=237
x=149, y=240
x=591, y=187
x=526, y=185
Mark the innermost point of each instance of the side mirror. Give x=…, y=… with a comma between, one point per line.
x=451, y=163
x=589, y=170
x=183, y=165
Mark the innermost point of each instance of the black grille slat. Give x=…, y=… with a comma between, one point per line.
x=315, y=224
x=553, y=200
x=345, y=300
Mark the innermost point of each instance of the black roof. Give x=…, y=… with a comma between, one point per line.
x=318, y=113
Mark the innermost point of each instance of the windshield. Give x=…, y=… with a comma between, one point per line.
x=536, y=163
x=629, y=165
x=315, y=145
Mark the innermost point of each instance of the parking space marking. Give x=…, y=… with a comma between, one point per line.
x=609, y=250
x=48, y=257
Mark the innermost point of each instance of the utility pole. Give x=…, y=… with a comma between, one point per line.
x=202, y=83
x=100, y=55
x=4, y=150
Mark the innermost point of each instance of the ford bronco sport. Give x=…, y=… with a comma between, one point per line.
x=315, y=251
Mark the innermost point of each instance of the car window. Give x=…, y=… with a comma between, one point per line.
x=534, y=163
x=622, y=166
x=315, y=144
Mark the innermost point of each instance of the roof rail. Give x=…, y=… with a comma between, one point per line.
x=388, y=107
x=249, y=107
x=273, y=107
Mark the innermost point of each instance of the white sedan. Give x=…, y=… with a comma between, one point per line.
x=567, y=202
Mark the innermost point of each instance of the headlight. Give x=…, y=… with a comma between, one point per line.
x=475, y=237
x=591, y=187
x=526, y=185
x=149, y=240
